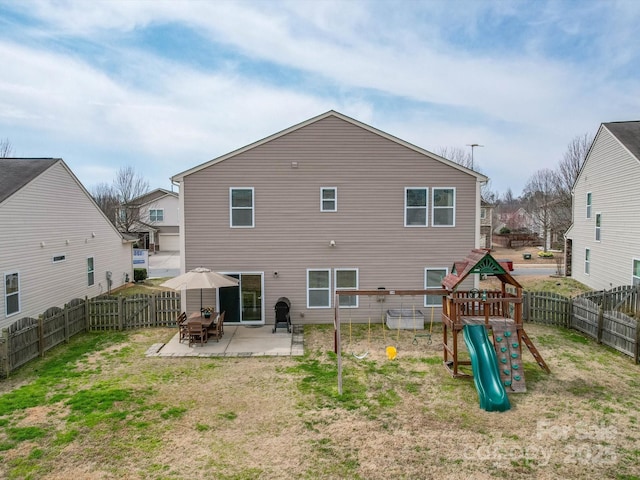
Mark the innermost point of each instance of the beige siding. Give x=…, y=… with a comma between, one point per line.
x=55, y=210
x=612, y=175
x=291, y=234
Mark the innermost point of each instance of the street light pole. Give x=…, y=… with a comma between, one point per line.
x=473, y=145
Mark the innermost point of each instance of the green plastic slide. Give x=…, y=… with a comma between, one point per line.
x=491, y=393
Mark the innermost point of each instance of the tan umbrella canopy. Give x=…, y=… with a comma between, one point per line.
x=200, y=278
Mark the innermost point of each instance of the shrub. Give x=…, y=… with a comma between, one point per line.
x=545, y=254
x=139, y=274
x=505, y=231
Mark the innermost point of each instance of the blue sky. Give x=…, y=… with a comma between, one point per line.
x=167, y=85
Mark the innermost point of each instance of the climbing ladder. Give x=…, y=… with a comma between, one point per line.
x=534, y=351
x=509, y=353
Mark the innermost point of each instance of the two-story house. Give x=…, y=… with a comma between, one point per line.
x=328, y=204
x=603, y=243
x=156, y=220
x=55, y=242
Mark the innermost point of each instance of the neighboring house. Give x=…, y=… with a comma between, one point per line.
x=603, y=243
x=327, y=204
x=518, y=220
x=156, y=220
x=486, y=224
x=55, y=242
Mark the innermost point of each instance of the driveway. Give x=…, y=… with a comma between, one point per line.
x=164, y=264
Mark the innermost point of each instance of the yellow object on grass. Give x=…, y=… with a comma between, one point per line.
x=391, y=353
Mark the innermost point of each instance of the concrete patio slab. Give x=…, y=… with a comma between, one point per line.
x=238, y=341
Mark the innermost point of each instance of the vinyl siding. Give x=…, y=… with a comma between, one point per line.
x=612, y=175
x=292, y=235
x=52, y=209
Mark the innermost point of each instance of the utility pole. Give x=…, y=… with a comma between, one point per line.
x=473, y=145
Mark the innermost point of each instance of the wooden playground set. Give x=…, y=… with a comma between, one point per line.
x=497, y=363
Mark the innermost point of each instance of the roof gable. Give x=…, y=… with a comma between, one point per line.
x=479, y=261
x=332, y=113
x=153, y=196
x=15, y=173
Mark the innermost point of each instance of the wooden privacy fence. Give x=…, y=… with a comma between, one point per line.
x=606, y=315
x=29, y=338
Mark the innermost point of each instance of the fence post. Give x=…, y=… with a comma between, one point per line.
x=569, y=318
x=636, y=355
x=66, y=323
x=601, y=317
x=152, y=310
x=4, y=351
x=41, y=336
x=120, y=312
x=86, y=314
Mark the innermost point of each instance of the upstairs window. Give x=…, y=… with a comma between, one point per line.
x=156, y=215
x=415, y=207
x=483, y=213
x=598, y=225
x=12, y=293
x=241, y=207
x=589, y=205
x=328, y=199
x=636, y=272
x=444, y=207
x=347, y=279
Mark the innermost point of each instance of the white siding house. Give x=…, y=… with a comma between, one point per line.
x=325, y=205
x=603, y=243
x=158, y=215
x=55, y=243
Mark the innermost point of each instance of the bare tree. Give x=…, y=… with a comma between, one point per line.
x=6, y=149
x=540, y=196
x=107, y=199
x=128, y=186
x=568, y=171
x=457, y=155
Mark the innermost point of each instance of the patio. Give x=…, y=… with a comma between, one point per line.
x=238, y=341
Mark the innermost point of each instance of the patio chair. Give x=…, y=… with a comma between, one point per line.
x=197, y=333
x=216, y=330
x=181, y=322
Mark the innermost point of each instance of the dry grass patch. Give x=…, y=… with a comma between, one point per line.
x=106, y=411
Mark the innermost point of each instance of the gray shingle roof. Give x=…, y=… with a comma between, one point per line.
x=15, y=173
x=628, y=133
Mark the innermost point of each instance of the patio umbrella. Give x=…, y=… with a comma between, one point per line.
x=200, y=278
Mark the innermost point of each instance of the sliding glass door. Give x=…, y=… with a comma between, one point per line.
x=243, y=304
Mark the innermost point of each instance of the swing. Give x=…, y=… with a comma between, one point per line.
x=362, y=356
x=415, y=328
x=392, y=352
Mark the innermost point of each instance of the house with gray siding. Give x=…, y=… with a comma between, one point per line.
x=603, y=243
x=328, y=204
x=55, y=241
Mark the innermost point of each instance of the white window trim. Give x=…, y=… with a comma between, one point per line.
x=433, y=206
x=633, y=277
x=91, y=271
x=587, y=261
x=156, y=210
x=598, y=228
x=335, y=282
x=19, y=293
x=328, y=289
x=425, y=207
x=335, y=199
x=253, y=209
x=589, y=204
x=426, y=271
x=483, y=213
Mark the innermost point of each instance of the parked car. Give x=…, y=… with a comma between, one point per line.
x=506, y=264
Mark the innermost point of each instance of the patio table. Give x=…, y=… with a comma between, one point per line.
x=198, y=318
